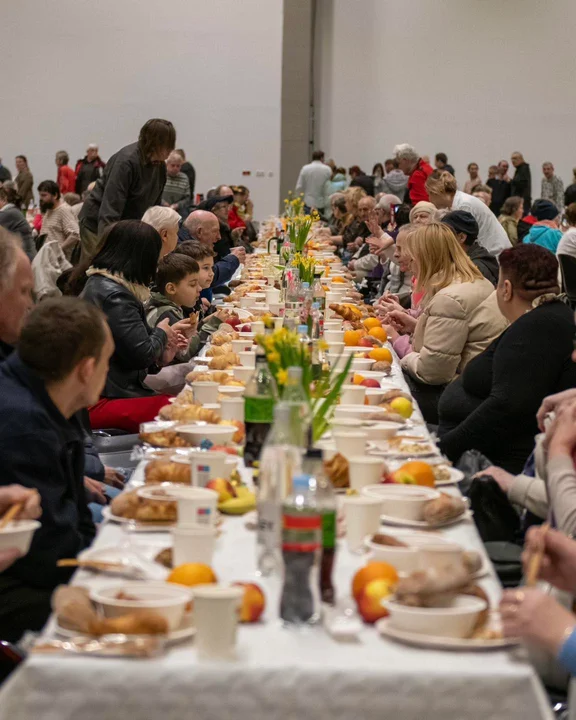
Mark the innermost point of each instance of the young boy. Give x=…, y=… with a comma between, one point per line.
x=176, y=288
x=210, y=317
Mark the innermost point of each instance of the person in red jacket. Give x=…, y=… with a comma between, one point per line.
x=66, y=176
x=411, y=164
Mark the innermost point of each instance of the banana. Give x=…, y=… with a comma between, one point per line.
x=240, y=505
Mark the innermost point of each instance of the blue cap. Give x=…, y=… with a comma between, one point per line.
x=305, y=285
x=302, y=328
x=316, y=306
x=301, y=482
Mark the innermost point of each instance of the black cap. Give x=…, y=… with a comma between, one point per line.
x=209, y=204
x=462, y=221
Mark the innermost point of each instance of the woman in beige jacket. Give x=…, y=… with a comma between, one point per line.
x=459, y=319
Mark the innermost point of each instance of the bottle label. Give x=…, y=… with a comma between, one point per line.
x=301, y=532
x=329, y=529
x=269, y=515
x=259, y=410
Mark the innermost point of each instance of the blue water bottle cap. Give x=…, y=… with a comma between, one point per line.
x=302, y=328
x=305, y=285
x=301, y=482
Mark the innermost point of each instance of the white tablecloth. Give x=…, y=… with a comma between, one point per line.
x=280, y=674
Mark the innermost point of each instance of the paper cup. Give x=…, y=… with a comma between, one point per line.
x=246, y=301
x=243, y=373
x=239, y=346
x=258, y=327
x=350, y=443
x=277, y=308
x=193, y=544
x=196, y=506
x=332, y=325
x=272, y=295
x=206, y=465
x=278, y=322
x=205, y=392
x=362, y=518
x=216, y=619
x=248, y=359
x=334, y=336
x=364, y=470
x=353, y=395
x=232, y=408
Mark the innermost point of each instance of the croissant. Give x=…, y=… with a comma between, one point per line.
x=189, y=413
x=141, y=622
x=157, y=510
x=185, y=397
x=163, y=438
x=221, y=338
x=348, y=312
x=224, y=361
x=125, y=504
x=216, y=350
x=159, y=471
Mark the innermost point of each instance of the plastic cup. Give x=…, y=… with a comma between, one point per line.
x=196, y=506
x=248, y=359
x=205, y=392
x=246, y=301
x=353, y=395
x=364, y=470
x=334, y=336
x=362, y=516
x=258, y=327
x=193, y=544
x=332, y=325
x=232, y=408
x=216, y=620
x=206, y=465
x=272, y=295
x=239, y=346
x=350, y=443
x=243, y=373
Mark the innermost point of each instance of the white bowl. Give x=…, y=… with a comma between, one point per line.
x=18, y=534
x=247, y=335
x=218, y=434
x=457, y=620
x=157, y=426
x=424, y=550
x=402, y=501
x=242, y=373
x=232, y=390
x=168, y=600
x=374, y=395
x=359, y=364
x=381, y=430
x=373, y=375
x=353, y=411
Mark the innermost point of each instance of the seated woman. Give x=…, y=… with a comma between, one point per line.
x=459, y=319
x=492, y=406
x=511, y=214
x=118, y=283
x=423, y=213
x=340, y=215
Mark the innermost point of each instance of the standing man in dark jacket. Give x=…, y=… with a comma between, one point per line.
x=521, y=183
x=466, y=230
x=89, y=169
x=133, y=180
x=44, y=384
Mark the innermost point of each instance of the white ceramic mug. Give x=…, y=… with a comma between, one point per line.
x=205, y=392
x=364, y=470
x=353, y=395
x=216, y=619
x=193, y=544
x=232, y=408
x=362, y=518
x=196, y=505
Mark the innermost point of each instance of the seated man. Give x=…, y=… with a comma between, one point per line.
x=59, y=368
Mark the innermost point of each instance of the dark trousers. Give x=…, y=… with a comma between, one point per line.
x=22, y=608
x=427, y=397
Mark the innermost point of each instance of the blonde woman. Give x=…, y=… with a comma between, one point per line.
x=443, y=192
x=422, y=213
x=459, y=318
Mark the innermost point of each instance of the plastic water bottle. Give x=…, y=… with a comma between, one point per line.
x=295, y=395
x=301, y=543
x=303, y=334
x=259, y=400
x=318, y=293
x=305, y=302
x=326, y=501
x=281, y=459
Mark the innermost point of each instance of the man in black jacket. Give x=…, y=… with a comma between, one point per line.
x=133, y=181
x=465, y=228
x=521, y=184
x=42, y=387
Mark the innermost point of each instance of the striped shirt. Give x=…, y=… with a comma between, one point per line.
x=177, y=189
x=61, y=226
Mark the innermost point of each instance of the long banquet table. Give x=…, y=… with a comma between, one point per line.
x=279, y=673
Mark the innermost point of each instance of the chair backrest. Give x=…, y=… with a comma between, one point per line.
x=568, y=270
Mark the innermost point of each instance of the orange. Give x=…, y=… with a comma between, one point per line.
x=379, y=354
x=192, y=574
x=338, y=279
x=379, y=333
x=352, y=337
x=372, y=571
x=358, y=379
x=372, y=322
x=415, y=472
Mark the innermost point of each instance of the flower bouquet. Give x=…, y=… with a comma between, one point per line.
x=283, y=350
x=306, y=267
x=298, y=228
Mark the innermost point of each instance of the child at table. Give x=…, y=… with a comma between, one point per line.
x=176, y=288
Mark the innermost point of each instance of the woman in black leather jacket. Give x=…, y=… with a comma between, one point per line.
x=118, y=282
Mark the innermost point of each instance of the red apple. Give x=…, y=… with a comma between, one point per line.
x=370, y=382
x=253, y=602
x=365, y=342
x=234, y=321
x=223, y=487
x=245, y=328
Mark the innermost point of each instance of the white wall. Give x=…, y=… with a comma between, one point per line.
x=476, y=79
x=80, y=71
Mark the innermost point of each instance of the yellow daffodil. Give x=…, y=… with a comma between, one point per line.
x=282, y=377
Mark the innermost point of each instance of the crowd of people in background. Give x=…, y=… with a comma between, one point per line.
x=107, y=293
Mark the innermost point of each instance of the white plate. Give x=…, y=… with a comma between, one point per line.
x=184, y=632
x=107, y=514
x=380, y=448
x=455, y=477
x=442, y=643
x=421, y=524
x=142, y=557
